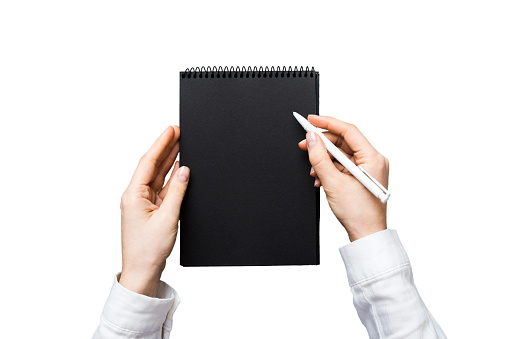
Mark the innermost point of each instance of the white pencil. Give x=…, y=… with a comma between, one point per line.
x=357, y=171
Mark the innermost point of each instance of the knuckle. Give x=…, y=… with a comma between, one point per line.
x=123, y=198
x=126, y=199
x=151, y=160
x=179, y=191
x=156, y=162
x=386, y=162
x=381, y=162
x=379, y=159
x=317, y=161
x=351, y=128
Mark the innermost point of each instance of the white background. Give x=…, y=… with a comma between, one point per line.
x=86, y=87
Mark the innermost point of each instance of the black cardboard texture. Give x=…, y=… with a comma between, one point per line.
x=250, y=198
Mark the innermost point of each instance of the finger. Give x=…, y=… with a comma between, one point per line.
x=162, y=194
x=317, y=183
x=312, y=172
x=319, y=158
x=165, y=167
x=350, y=133
x=176, y=191
x=340, y=167
x=337, y=140
x=302, y=145
x=167, y=163
x=159, y=201
x=150, y=162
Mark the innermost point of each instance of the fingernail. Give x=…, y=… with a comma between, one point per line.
x=183, y=174
x=314, y=115
x=316, y=182
x=311, y=138
x=312, y=171
x=300, y=142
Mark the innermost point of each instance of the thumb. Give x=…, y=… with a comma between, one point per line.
x=175, y=194
x=319, y=158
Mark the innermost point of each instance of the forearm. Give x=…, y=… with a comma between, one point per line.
x=384, y=293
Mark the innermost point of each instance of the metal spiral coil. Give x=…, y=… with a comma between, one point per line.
x=249, y=72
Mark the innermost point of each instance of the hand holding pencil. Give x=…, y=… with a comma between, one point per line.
x=358, y=209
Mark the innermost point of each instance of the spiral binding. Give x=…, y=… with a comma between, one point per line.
x=249, y=72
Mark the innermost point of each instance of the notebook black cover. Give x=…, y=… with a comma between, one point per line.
x=250, y=198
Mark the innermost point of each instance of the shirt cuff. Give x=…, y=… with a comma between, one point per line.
x=373, y=255
x=133, y=312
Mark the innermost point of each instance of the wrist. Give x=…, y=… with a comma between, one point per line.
x=362, y=227
x=142, y=281
x=361, y=232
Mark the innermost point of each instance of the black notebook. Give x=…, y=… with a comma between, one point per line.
x=250, y=198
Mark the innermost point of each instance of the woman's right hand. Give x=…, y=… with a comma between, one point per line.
x=358, y=210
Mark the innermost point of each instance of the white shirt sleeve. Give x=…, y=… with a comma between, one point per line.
x=131, y=315
x=384, y=293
